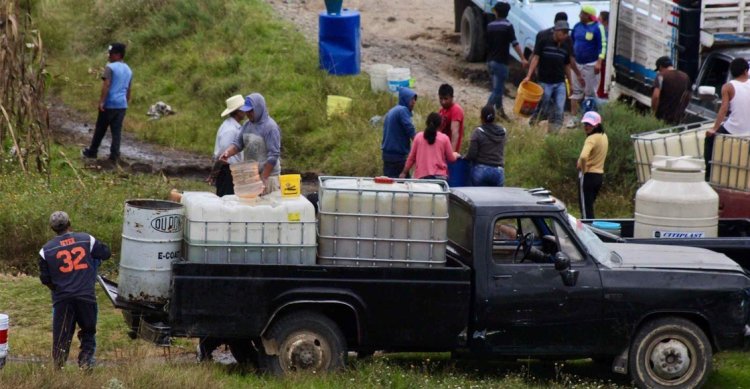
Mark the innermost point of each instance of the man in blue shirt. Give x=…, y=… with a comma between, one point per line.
x=113, y=102
x=589, y=49
x=67, y=266
x=398, y=132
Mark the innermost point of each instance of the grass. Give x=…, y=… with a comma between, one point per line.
x=124, y=363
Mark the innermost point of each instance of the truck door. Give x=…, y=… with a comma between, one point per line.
x=715, y=73
x=530, y=310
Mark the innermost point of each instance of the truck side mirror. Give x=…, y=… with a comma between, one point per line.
x=562, y=261
x=707, y=92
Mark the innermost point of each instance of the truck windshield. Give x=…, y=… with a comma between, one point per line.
x=594, y=245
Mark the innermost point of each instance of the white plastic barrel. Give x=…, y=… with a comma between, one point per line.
x=4, y=324
x=151, y=241
x=397, y=78
x=676, y=202
x=379, y=77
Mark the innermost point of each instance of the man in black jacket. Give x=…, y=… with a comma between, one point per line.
x=67, y=266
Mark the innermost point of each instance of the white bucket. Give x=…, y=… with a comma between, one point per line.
x=151, y=241
x=398, y=78
x=4, y=322
x=379, y=77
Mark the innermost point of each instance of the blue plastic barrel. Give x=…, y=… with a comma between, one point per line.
x=339, y=42
x=458, y=173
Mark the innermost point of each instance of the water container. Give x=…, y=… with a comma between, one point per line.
x=398, y=78
x=459, y=173
x=675, y=142
x=333, y=7
x=339, y=48
x=528, y=96
x=676, y=202
x=151, y=241
x=730, y=167
x=338, y=106
x=612, y=228
x=379, y=77
x=4, y=324
x=269, y=230
x=382, y=222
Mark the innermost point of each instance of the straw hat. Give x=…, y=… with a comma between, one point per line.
x=233, y=103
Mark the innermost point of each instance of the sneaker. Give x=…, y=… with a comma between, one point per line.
x=85, y=153
x=572, y=123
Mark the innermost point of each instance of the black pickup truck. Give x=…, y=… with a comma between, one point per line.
x=523, y=279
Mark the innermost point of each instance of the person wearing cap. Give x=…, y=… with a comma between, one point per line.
x=590, y=162
x=499, y=37
x=734, y=113
x=113, y=102
x=67, y=266
x=671, y=93
x=260, y=139
x=552, y=58
x=589, y=49
x=221, y=176
x=398, y=132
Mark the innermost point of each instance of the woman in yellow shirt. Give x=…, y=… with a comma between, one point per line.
x=591, y=162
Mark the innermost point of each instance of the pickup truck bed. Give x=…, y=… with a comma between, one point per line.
x=393, y=307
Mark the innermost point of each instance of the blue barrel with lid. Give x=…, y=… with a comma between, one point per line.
x=339, y=42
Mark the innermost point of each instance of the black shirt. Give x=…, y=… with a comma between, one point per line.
x=674, y=95
x=68, y=263
x=552, y=58
x=499, y=37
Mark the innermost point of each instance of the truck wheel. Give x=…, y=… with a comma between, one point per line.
x=670, y=353
x=243, y=351
x=472, y=34
x=305, y=341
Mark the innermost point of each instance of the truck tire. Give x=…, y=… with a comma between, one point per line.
x=306, y=341
x=472, y=34
x=670, y=353
x=243, y=352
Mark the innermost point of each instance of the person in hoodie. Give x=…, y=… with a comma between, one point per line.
x=260, y=139
x=398, y=131
x=487, y=151
x=430, y=152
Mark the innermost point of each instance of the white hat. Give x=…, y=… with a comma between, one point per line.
x=233, y=103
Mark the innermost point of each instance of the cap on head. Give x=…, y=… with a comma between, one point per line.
x=59, y=220
x=561, y=16
x=663, y=62
x=117, y=48
x=591, y=118
x=561, y=25
x=589, y=10
x=233, y=103
x=248, y=106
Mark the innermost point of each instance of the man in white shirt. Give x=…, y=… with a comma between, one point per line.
x=221, y=176
x=733, y=116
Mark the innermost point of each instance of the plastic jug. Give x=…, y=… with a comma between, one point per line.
x=379, y=77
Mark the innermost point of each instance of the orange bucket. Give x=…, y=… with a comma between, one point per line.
x=528, y=97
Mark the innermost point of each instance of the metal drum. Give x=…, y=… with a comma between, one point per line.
x=151, y=241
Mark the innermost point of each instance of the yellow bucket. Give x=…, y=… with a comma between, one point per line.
x=290, y=185
x=527, y=98
x=338, y=106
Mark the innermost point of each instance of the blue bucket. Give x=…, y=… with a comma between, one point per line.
x=611, y=227
x=458, y=173
x=333, y=7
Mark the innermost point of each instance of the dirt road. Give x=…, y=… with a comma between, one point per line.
x=418, y=34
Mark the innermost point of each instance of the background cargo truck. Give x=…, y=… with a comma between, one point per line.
x=701, y=38
x=520, y=278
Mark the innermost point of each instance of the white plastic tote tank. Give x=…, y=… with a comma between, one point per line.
x=676, y=202
x=151, y=241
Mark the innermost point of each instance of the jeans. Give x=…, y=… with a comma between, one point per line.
x=65, y=315
x=552, y=104
x=113, y=119
x=393, y=168
x=498, y=73
x=485, y=175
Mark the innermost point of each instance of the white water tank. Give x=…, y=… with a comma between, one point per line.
x=676, y=202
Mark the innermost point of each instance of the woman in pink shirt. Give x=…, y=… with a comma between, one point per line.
x=430, y=152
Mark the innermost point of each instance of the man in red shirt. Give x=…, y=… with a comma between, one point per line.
x=453, y=117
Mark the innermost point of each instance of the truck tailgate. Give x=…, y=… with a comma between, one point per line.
x=396, y=307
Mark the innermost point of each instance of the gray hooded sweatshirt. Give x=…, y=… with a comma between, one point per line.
x=487, y=146
x=260, y=139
